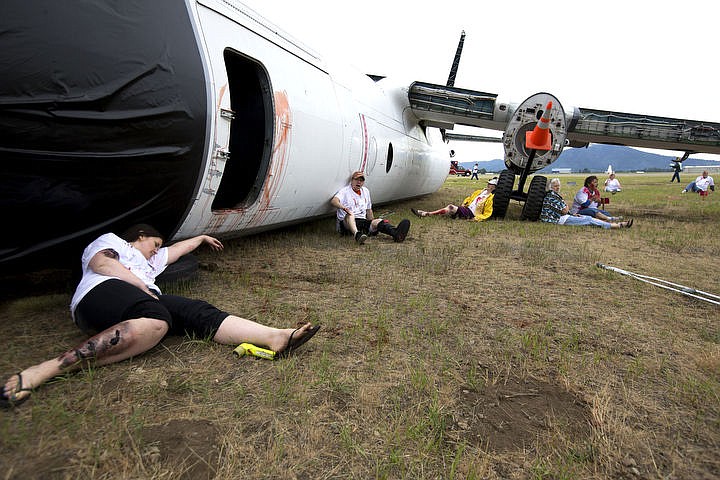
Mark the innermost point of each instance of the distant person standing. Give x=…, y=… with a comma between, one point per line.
x=677, y=168
x=475, y=172
x=612, y=184
x=701, y=184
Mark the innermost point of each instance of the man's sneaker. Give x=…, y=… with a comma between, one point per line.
x=617, y=219
x=684, y=191
x=360, y=238
x=416, y=212
x=401, y=230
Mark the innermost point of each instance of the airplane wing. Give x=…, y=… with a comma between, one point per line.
x=443, y=106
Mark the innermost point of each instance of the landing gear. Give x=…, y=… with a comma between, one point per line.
x=503, y=191
x=534, y=201
x=533, y=139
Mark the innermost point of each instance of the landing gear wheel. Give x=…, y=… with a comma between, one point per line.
x=536, y=193
x=503, y=189
x=185, y=268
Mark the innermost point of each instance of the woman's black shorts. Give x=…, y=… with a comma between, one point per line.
x=114, y=301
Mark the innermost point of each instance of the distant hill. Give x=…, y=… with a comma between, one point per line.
x=597, y=157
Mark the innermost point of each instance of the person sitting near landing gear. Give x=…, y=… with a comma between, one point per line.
x=478, y=206
x=587, y=200
x=555, y=210
x=355, y=215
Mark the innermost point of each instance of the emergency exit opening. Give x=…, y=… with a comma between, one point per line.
x=251, y=132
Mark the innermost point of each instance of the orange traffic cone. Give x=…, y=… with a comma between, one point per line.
x=539, y=137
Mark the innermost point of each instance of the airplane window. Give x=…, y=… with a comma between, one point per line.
x=389, y=161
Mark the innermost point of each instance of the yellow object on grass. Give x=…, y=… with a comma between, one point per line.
x=250, y=349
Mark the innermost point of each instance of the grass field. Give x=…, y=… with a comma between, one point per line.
x=493, y=350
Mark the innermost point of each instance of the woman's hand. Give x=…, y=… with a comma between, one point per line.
x=214, y=243
x=184, y=247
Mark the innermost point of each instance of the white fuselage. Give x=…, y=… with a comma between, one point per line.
x=326, y=123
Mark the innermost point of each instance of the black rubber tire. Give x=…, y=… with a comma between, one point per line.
x=185, y=268
x=536, y=193
x=503, y=189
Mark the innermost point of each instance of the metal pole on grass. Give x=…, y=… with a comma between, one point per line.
x=690, y=292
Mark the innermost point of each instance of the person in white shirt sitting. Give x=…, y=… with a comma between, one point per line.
x=612, y=184
x=701, y=184
x=355, y=215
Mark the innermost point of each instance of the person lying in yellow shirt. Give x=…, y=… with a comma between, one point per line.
x=478, y=206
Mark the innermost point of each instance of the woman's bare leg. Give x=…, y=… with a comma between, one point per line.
x=449, y=210
x=235, y=330
x=120, y=342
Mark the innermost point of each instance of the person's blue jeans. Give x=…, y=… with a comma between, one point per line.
x=592, y=211
x=586, y=220
x=692, y=187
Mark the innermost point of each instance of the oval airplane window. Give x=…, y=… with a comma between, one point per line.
x=389, y=161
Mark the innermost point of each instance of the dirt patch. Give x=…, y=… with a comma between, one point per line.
x=190, y=446
x=49, y=467
x=514, y=414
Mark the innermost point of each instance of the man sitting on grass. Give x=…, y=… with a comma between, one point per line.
x=701, y=184
x=612, y=184
x=355, y=215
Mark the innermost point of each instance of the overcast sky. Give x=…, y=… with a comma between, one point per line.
x=637, y=56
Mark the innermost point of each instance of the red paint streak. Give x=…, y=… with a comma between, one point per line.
x=278, y=160
x=275, y=174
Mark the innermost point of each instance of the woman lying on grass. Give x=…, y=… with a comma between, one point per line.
x=117, y=297
x=555, y=210
x=478, y=206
